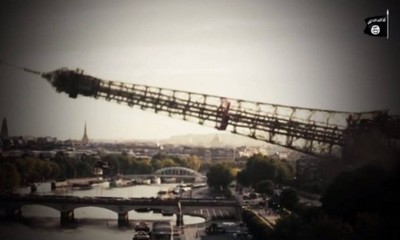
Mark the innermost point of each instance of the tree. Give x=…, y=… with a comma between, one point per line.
x=219, y=176
x=265, y=187
x=142, y=166
x=355, y=192
x=124, y=163
x=70, y=170
x=193, y=162
x=156, y=164
x=55, y=170
x=9, y=177
x=205, y=167
x=235, y=171
x=294, y=227
x=113, y=160
x=3, y=180
x=168, y=163
x=289, y=198
x=83, y=169
x=288, y=228
x=242, y=178
x=369, y=226
x=285, y=172
x=256, y=225
x=324, y=227
x=259, y=168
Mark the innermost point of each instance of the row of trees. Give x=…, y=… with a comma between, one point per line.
x=73, y=167
x=15, y=172
x=27, y=170
x=124, y=164
x=311, y=225
x=24, y=171
x=256, y=225
x=9, y=177
x=260, y=172
x=359, y=204
x=260, y=168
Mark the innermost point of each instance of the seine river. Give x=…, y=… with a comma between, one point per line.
x=93, y=223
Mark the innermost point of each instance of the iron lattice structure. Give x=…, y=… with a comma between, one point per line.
x=312, y=131
x=179, y=171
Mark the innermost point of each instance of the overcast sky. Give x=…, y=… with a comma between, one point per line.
x=308, y=53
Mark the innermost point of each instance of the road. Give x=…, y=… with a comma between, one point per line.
x=189, y=234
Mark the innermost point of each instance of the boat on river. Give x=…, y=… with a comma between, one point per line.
x=142, y=227
x=141, y=236
x=162, y=230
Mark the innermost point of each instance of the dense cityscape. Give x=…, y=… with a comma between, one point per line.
x=283, y=195
x=145, y=154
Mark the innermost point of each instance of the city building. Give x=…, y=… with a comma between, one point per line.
x=245, y=151
x=223, y=154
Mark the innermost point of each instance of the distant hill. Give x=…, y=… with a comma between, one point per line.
x=213, y=140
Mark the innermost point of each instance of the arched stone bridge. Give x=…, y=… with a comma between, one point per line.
x=11, y=205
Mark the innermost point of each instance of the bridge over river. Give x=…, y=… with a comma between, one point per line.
x=173, y=172
x=11, y=206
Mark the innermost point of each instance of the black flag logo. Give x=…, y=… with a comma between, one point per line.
x=376, y=26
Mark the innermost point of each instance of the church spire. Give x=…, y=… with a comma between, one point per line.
x=85, y=139
x=4, y=129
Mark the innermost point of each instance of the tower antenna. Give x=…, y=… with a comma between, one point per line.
x=20, y=68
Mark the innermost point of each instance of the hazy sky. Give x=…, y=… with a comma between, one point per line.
x=309, y=53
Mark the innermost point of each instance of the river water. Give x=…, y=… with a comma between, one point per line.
x=41, y=222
